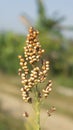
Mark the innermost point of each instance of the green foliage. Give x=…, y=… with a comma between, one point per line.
x=64, y=81
x=57, y=49
x=10, y=47
x=60, y=54
x=49, y=24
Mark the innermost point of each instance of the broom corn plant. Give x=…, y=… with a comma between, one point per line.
x=33, y=71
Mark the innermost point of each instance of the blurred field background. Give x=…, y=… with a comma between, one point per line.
x=57, y=42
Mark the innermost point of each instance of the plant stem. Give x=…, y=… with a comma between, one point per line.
x=37, y=105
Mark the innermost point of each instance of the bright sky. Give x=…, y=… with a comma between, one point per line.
x=10, y=11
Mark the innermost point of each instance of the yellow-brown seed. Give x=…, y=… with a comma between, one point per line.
x=19, y=56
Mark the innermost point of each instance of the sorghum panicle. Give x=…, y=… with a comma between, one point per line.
x=31, y=77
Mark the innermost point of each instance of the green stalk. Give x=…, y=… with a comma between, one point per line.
x=38, y=114
x=37, y=109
